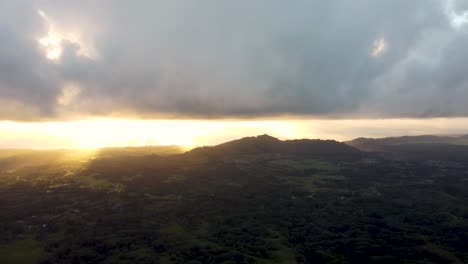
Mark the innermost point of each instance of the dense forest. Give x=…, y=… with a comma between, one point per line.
x=253, y=200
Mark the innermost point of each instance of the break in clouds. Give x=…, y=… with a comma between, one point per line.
x=363, y=58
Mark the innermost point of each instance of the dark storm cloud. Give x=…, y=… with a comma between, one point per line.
x=235, y=58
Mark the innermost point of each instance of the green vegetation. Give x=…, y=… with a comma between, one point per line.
x=91, y=181
x=26, y=250
x=253, y=201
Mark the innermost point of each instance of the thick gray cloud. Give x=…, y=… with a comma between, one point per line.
x=234, y=58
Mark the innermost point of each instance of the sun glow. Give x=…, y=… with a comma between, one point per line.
x=379, y=47
x=98, y=133
x=457, y=19
x=117, y=132
x=52, y=42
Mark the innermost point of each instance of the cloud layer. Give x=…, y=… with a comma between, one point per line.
x=365, y=58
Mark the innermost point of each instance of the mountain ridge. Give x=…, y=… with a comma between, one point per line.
x=268, y=144
x=381, y=144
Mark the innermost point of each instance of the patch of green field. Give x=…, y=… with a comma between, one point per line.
x=444, y=255
x=165, y=260
x=176, y=178
x=310, y=183
x=305, y=164
x=157, y=202
x=90, y=181
x=320, y=165
x=234, y=184
x=327, y=177
x=24, y=251
x=282, y=253
x=138, y=255
x=462, y=142
x=181, y=234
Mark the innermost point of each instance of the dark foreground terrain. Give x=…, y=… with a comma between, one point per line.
x=255, y=200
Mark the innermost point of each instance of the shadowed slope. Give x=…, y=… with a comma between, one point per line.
x=266, y=144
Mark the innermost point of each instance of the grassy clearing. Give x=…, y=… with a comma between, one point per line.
x=320, y=165
x=283, y=253
x=165, y=260
x=327, y=177
x=310, y=183
x=176, y=178
x=441, y=253
x=305, y=164
x=180, y=234
x=24, y=251
x=90, y=181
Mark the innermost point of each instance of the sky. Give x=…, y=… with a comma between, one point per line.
x=226, y=63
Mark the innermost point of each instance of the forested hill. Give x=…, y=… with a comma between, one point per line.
x=266, y=144
x=382, y=144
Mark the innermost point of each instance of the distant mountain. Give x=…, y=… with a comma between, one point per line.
x=381, y=144
x=266, y=144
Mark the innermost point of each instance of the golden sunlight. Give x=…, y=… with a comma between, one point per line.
x=53, y=40
x=107, y=132
x=117, y=132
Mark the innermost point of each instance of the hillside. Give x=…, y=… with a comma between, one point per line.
x=381, y=144
x=266, y=144
x=252, y=200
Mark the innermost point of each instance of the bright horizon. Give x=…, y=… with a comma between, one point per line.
x=107, y=132
x=191, y=74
